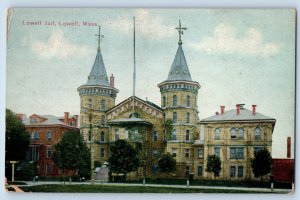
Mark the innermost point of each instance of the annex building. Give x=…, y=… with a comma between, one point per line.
x=233, y=135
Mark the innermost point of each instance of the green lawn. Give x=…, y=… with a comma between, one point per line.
x=122, y=189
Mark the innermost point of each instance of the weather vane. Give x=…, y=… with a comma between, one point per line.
x=180, y=31
x=99, y=38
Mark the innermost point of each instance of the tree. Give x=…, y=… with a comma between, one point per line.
x=16, y=141
x=71, y=153
x=213, y=165
x=123, y=158
x=16, y=137
x=166, y=163
x=261, y=164
x=168, y=129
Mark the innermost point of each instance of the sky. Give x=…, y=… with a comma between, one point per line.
x=237, y=56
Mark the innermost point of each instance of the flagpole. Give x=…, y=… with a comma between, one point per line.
x=133, y=67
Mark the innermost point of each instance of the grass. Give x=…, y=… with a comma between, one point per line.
x=123, y=189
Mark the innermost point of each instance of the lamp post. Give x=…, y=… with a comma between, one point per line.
x=13, y=170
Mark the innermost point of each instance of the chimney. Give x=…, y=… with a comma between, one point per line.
x=112, y=81
x=66, y=118
x=222, y=109
x=254, y=109
x=288, y=147
x=217, y=113
x=238, y=109
x=76, y=120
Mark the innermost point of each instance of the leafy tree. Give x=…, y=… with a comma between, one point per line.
x=261, y=164
x=166, y=163
x=72, y=154
x=16, y=137
x=123, y=158
x=168, y=129
x=213, y=165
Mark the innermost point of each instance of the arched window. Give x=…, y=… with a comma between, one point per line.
x=164, y=101
x=102, y=104
x=174, y=117
x=217, y=134
x=174, y=100
x=257, y=133
x=232, y=133
x=174, y=134
x=241, y=133
x=102, y=136
x=188, y=100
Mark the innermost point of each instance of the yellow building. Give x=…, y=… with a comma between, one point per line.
x=232, y=136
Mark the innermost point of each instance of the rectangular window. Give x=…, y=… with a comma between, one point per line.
x=240, y=151
x=126, y=133
x=187, y=153
x=102, y=136
x=164, y=101
x=237, y=152
x=49, y=135
x=155, y=136
x=49, y=152
x=187, y=170
x=217, y=151
x=116, y=134
x=240, y=171
x=232, y=171
x=187, y=117
x=154, y=152
x=188, y=101
x=174, y=117
x=102, y=120
x=89, y=136
x=154, y=169
x=135, y=134
x=257, y=149
x=174, y=152
x=200, y=170
x=102, y=152
x=48, y=169
x=187, y=135
x=200, y=153
x=174, y=134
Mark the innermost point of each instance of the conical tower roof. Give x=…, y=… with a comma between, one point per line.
x=98, y=75
x=179, y=69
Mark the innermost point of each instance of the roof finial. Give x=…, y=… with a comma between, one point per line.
x=180, y=31
x=99, y=38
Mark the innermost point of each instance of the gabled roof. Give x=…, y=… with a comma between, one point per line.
x=231, y=115
x=49, y=120
x=153, y=105
x=179, y=69
x=98, y=75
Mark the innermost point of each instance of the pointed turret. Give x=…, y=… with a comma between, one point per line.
x=98, y=75
x=179, y=69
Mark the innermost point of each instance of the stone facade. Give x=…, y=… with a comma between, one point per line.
x=144, y=124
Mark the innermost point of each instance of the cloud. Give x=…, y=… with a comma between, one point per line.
x=58, y=46
x=225, y=40
x=146, y=25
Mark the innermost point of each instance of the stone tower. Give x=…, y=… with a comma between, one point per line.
x=96, y=96
x=179, y=103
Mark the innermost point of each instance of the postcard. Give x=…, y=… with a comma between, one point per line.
x=150, y=100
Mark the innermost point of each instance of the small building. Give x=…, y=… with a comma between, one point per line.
x=234, y=136
x=45, y=131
